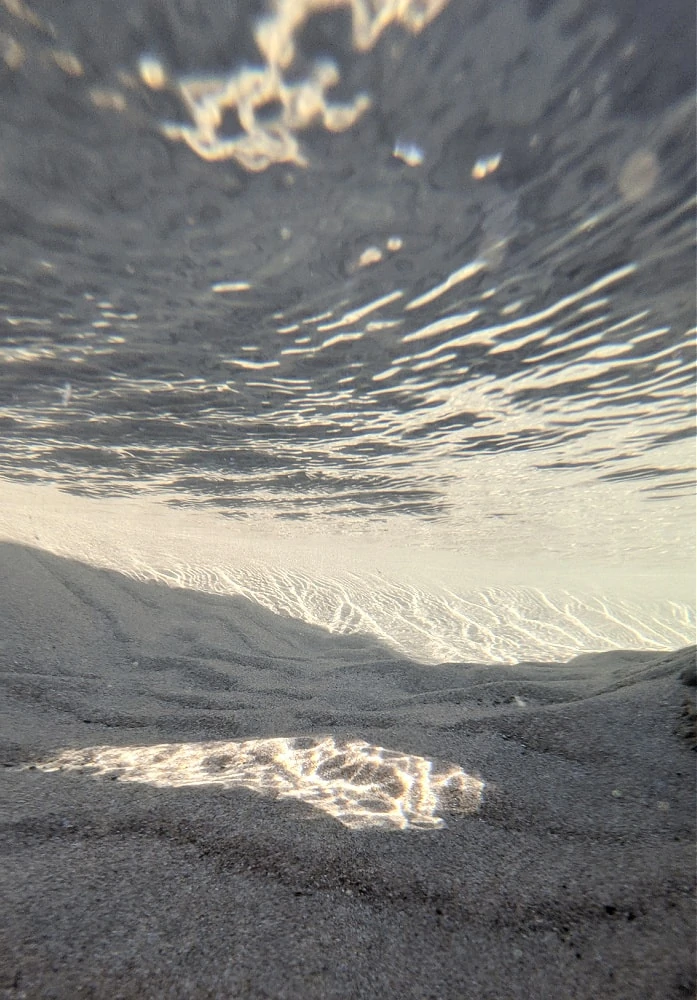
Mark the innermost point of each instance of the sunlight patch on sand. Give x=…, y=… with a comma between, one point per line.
x=430, y=605
x=358, y=784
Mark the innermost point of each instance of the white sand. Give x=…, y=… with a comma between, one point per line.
x=231, y=802
x=430, y=605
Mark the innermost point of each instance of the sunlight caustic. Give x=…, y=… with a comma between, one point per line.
x=358, y=784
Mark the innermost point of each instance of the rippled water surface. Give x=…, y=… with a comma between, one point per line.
x=417, y=272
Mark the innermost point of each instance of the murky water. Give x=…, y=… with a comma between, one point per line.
x=413, y=272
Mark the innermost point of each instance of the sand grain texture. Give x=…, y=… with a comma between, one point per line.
x=574, y=878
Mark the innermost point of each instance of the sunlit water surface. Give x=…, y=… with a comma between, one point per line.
x=439, y=299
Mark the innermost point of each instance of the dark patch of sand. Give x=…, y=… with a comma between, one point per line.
x=574, y=879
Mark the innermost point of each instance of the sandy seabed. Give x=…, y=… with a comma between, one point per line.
x=202, y=797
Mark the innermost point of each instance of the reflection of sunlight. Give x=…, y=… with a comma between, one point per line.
x=302, y=102
x=358, y=784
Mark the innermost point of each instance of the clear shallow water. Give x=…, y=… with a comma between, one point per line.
x=460, y=318
x=427, y=604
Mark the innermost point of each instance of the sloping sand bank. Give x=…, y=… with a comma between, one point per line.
x=202, y=798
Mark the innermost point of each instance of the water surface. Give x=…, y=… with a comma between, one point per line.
x=416, y=277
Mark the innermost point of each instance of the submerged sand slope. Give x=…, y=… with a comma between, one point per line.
x=571, y=875
x=429, y=603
